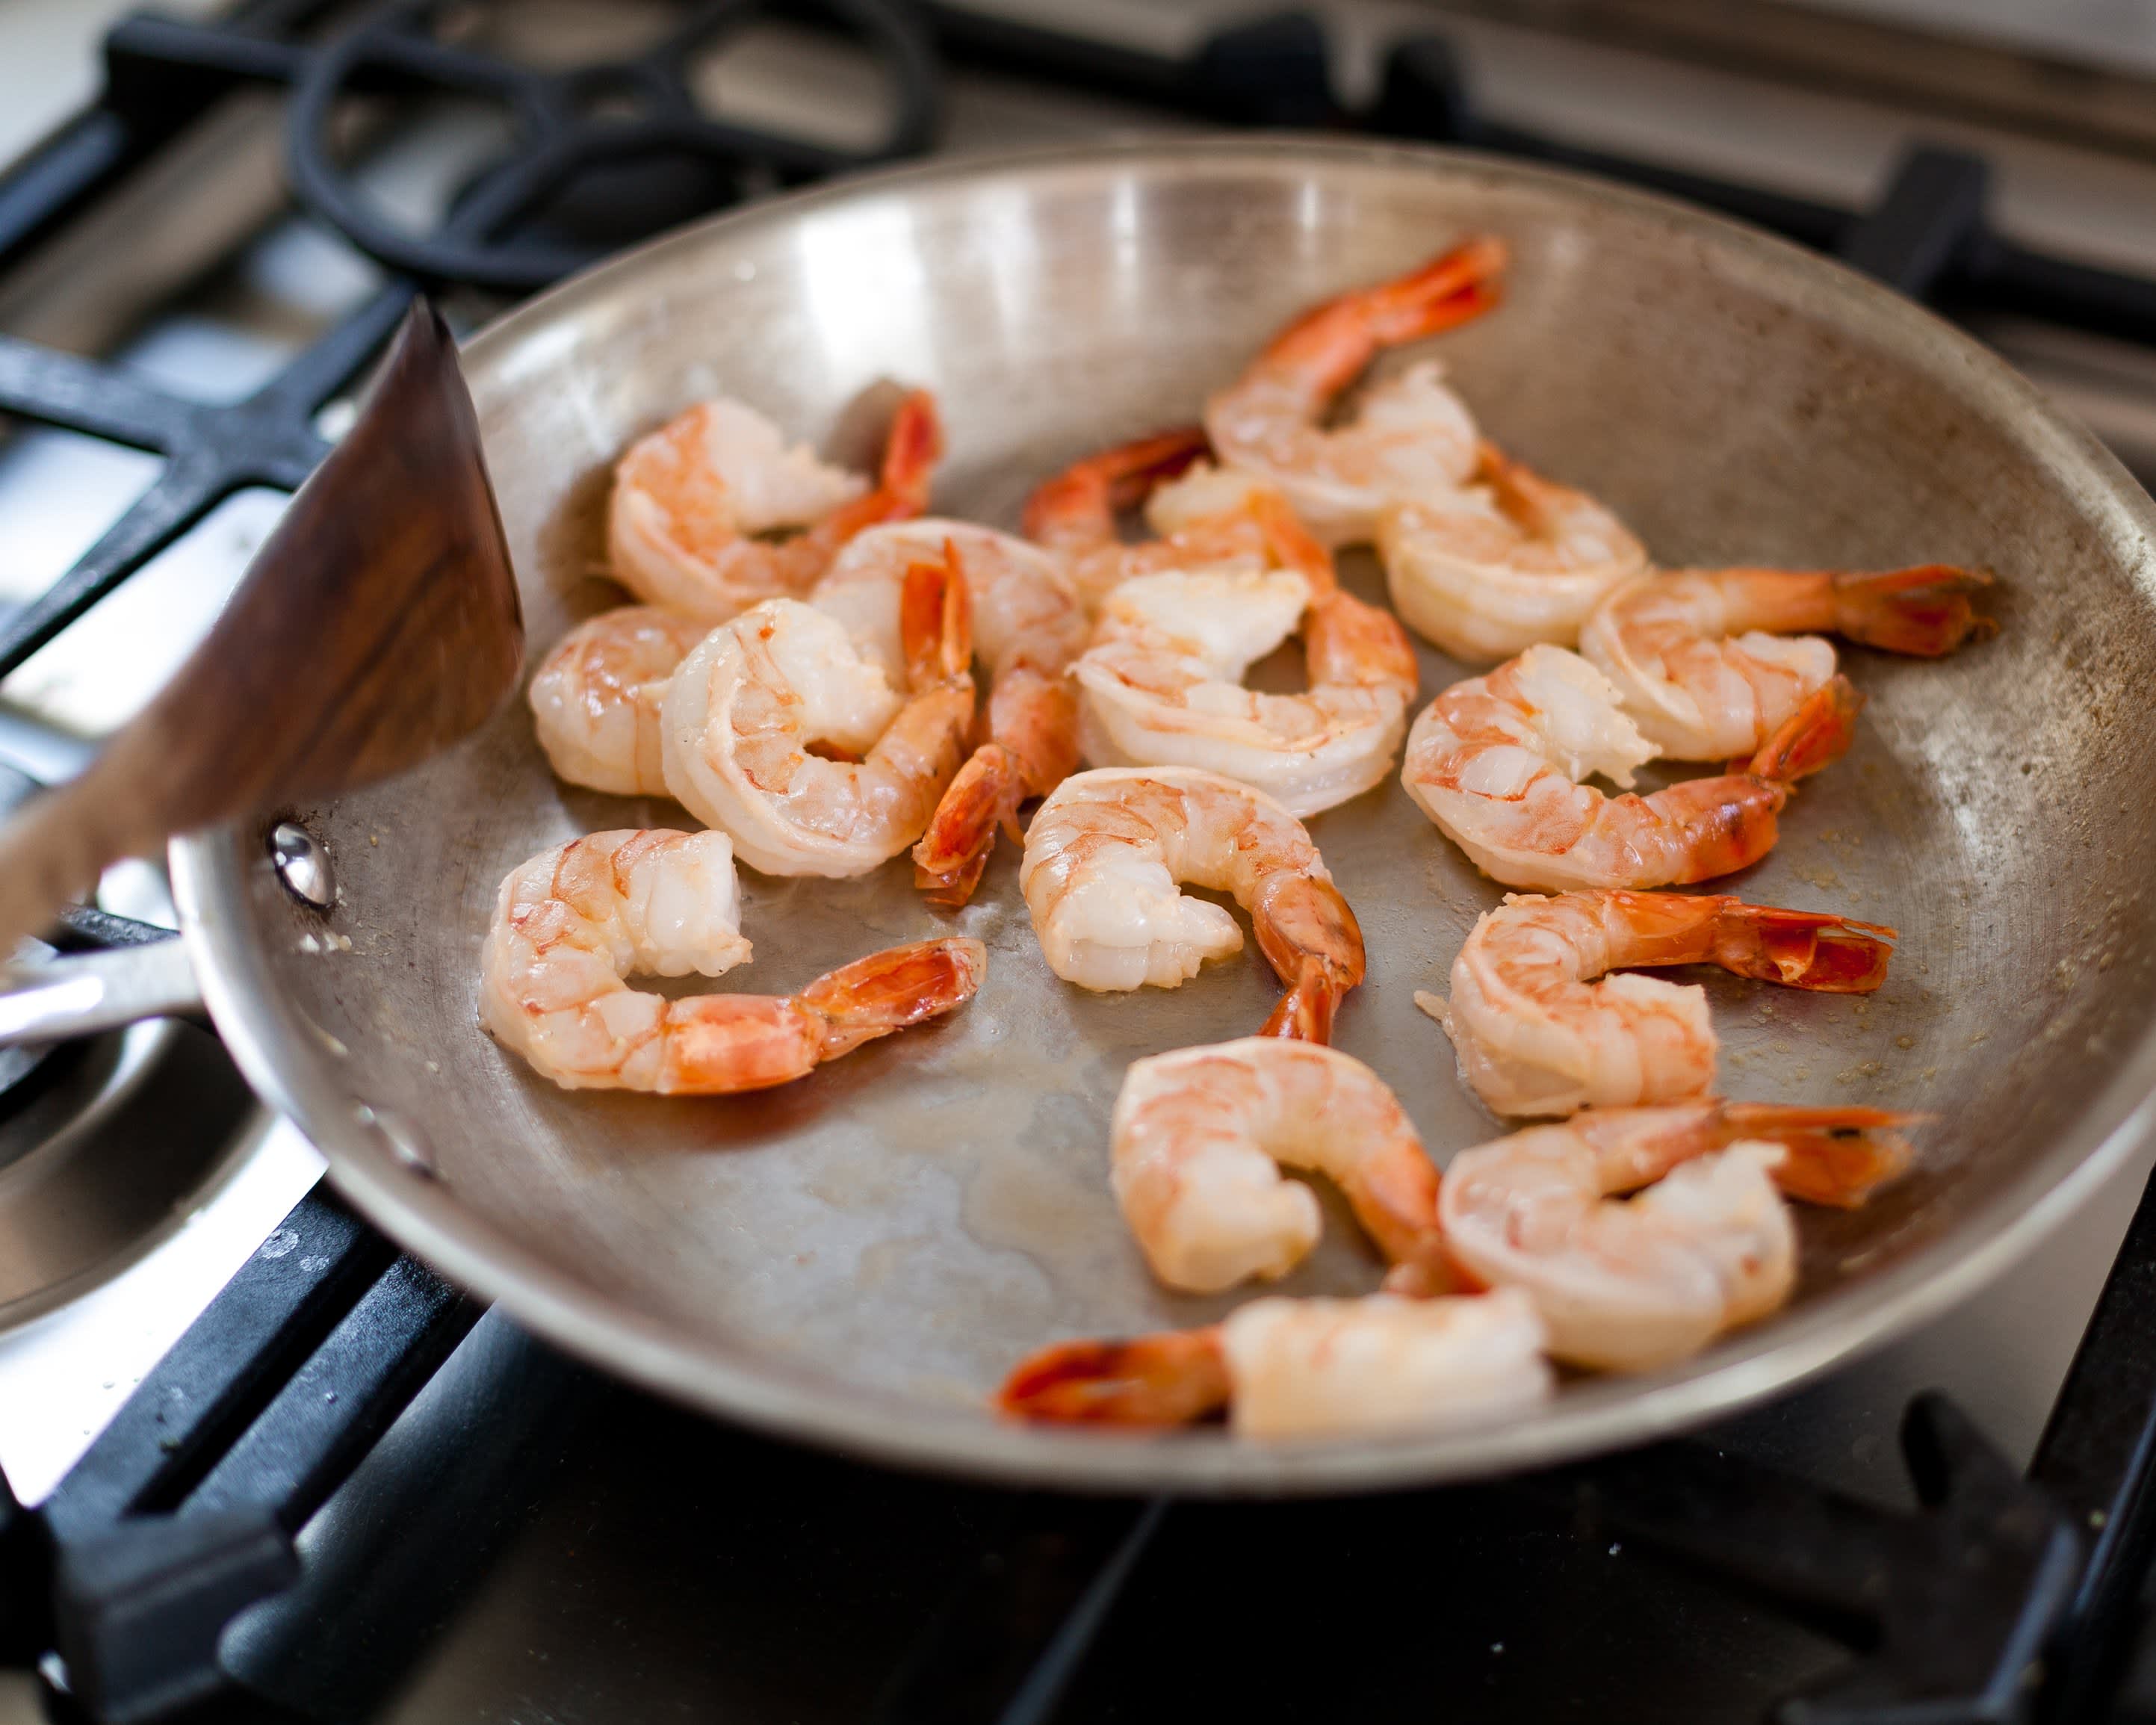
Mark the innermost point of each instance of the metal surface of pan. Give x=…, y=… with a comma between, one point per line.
x=857, y=1258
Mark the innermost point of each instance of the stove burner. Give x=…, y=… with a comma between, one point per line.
x=573, y=122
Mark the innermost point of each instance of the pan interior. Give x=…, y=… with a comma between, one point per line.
x=861, y=1255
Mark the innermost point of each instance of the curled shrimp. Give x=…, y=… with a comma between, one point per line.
x=1411, y=437
x=595, y=699
x=746, y=707
x=713, y=512
x=1027, y=626
x=1706, y=1245
x=1161, y=684
x=1505, y=562
x=1198, y=1140
x=1304, y=1369
x=573, y=922
x=1536, y=1035
x=1102, y=858
x=1497, y=762
x=1702, y=658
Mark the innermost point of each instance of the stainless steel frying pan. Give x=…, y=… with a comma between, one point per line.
x=857, y=1258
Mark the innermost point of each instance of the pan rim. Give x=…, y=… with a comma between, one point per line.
x=270, y=1040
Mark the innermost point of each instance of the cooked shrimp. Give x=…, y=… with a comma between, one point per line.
x=712, y=512
x=1296, y=1368
x=1702, y=658
x=1411, y=437
x=1706, y=1247
x=1536, y=1036
x=745, y=708
x=1161, y=684
x=1027, y=626
x=1198, y=1137
x=574, y=921
x=1102, y=858
x=595, y=699
x=1512, y=559
x=1496, y=763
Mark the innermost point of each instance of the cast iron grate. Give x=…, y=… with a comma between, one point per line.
x=1980, y=1606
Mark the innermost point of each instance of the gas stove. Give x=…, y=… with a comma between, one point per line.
x=280, y=1471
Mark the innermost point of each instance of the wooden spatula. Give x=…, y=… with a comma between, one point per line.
x=378, y=625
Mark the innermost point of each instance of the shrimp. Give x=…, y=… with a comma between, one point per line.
x=1195, y=1146
x=1027, y=626
x=1299, y=1368
x=1411, y=436
x=698, y=505
x=595, y=699
x=1161, y=684
x=1102, y=858
x=1708, y=1245
x=573, y=922
x=744, y=709
x=1701, y=659
x=1535, y=1036
x=1509, y=560
x=1497, y=763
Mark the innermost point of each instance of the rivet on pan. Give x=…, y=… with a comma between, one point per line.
x=302, y=865
x=402, y=1139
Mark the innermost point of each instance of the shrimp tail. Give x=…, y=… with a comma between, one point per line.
x=1081, y=501
x=1837, y=1157
x=1330, y=345
x=1170, y=1379
x=912, y=447
x=1803, y=949
x=1815, y=736
x=1305, y=1012
x=1310, y=936
x=911, y=450
x=1450, y=288
x=948, y=860
x=936, y=621
x=890, y=990
x=1924, y=610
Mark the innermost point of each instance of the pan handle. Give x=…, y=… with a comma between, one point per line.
x=89, y=992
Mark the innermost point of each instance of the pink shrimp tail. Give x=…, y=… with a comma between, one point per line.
x=1167, y=1379
x=1837, y=1157
x=892, y=989
x=1310, y=936
x=1329, y=346
x=1079, y=504
x=1924, y=610
x=1305, y=1012
x=1803, y=949
x=936, y=620
x=948, y=860
x=1815, y=736
x=912, y=447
